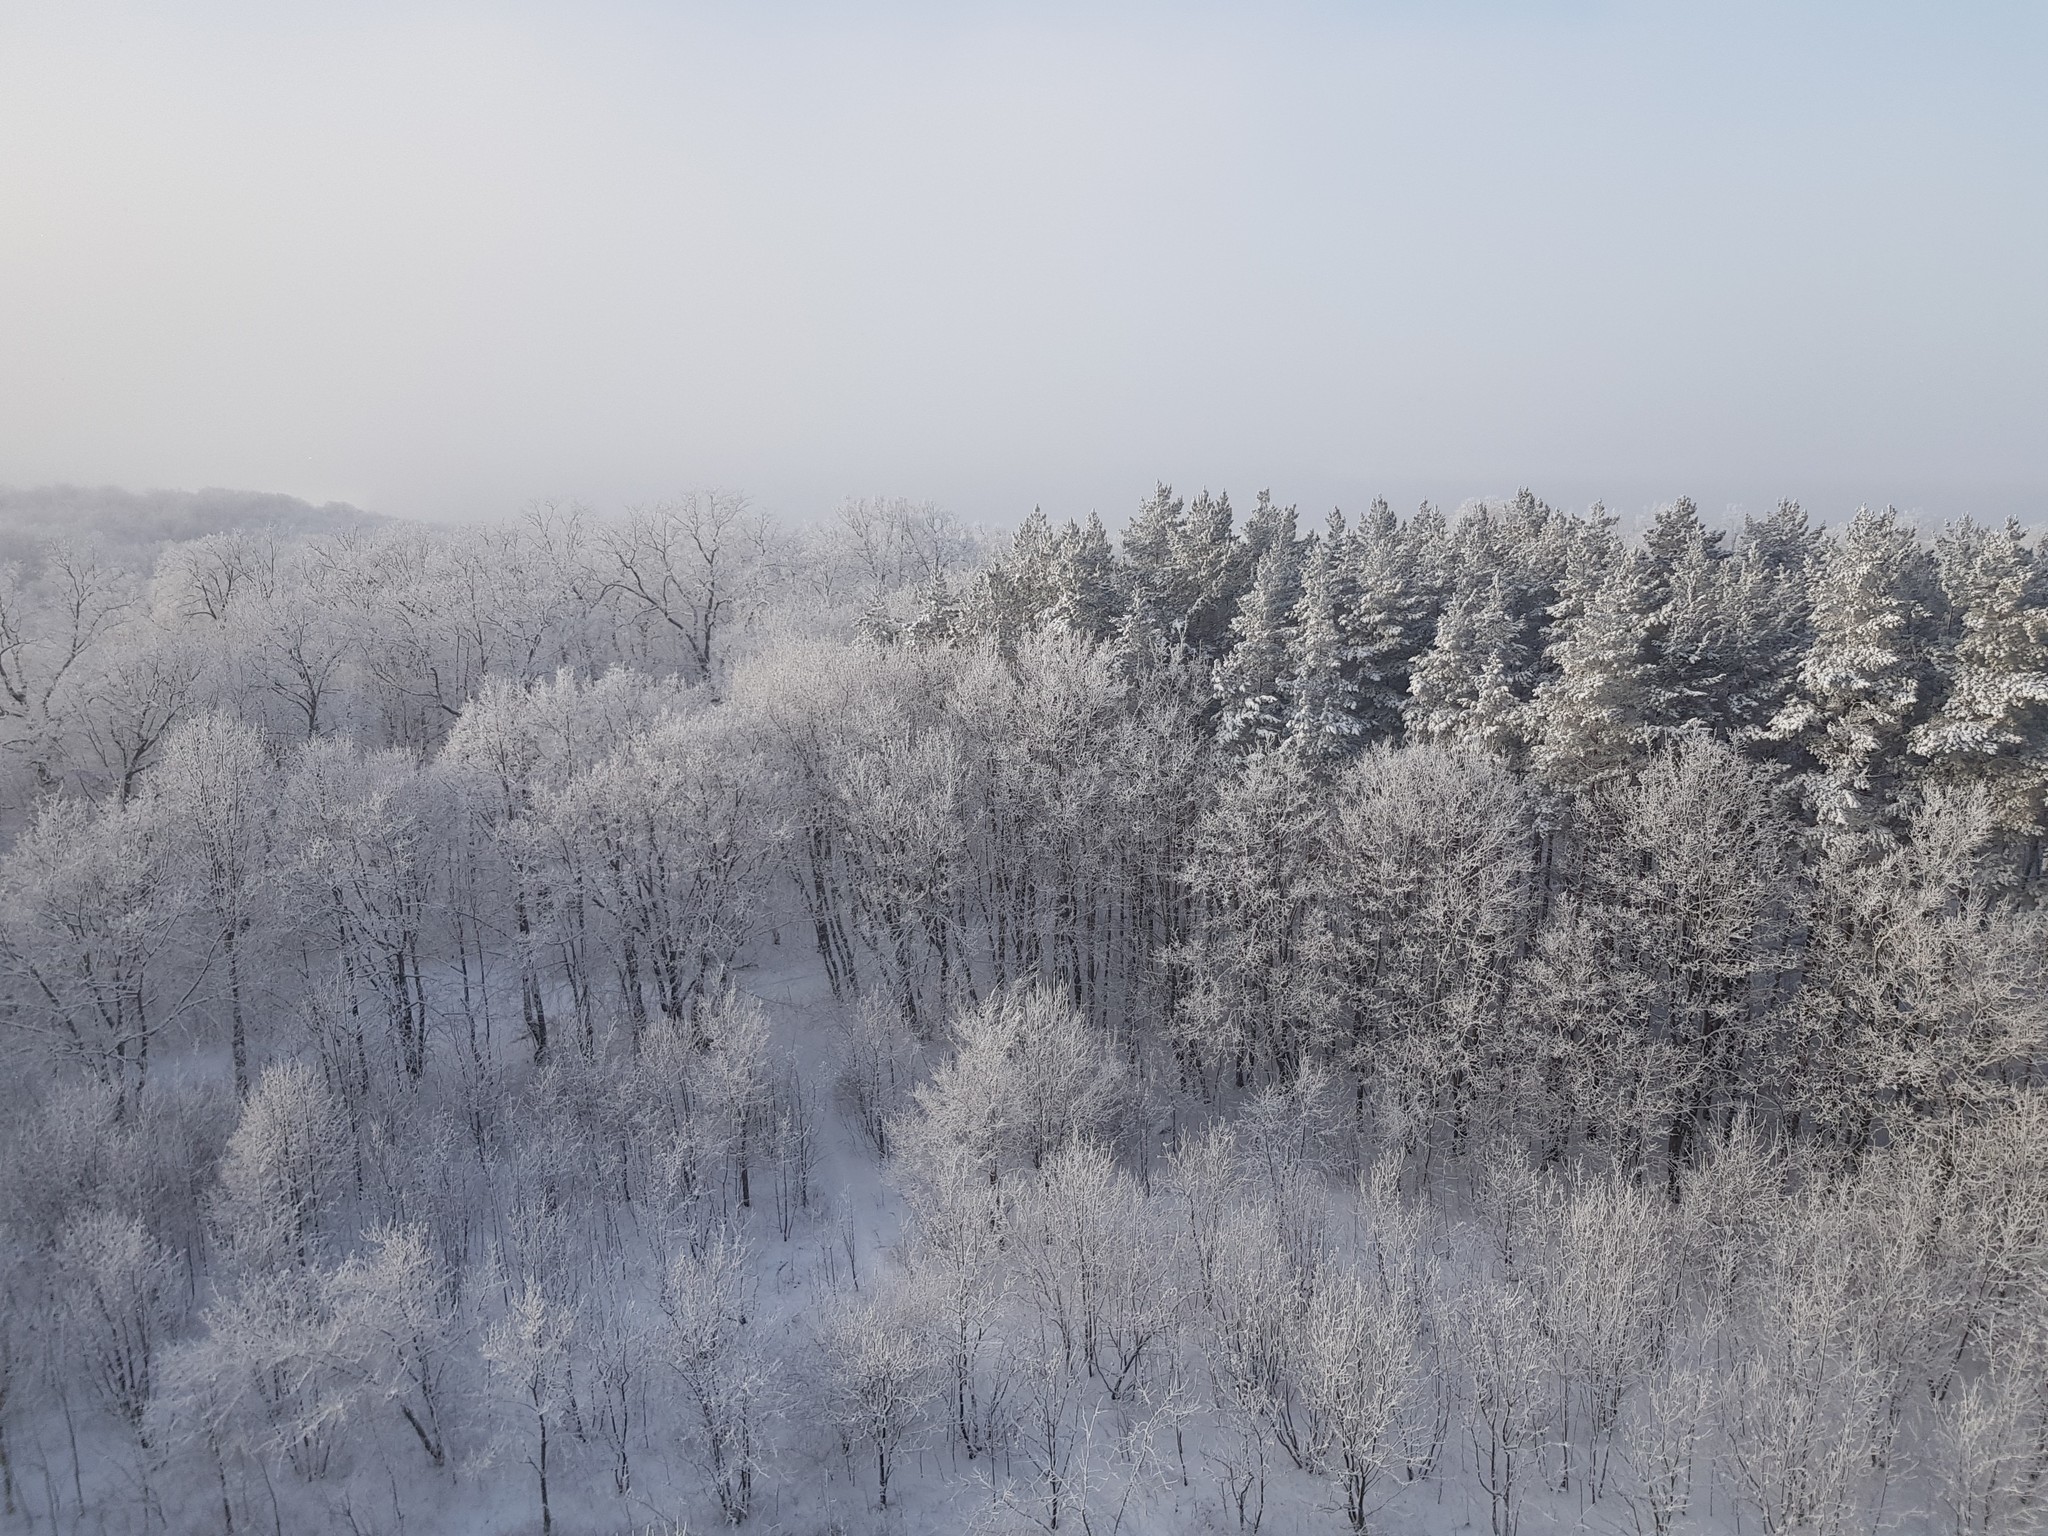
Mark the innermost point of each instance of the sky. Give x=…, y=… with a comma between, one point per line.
x=443, y=260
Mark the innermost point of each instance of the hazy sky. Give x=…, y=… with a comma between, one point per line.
x=443, y=259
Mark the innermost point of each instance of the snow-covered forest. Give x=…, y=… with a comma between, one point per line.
x=622, y=1024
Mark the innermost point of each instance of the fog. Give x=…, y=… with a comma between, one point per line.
x=441, y=260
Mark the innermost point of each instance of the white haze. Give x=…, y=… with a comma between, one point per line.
x=438, y=260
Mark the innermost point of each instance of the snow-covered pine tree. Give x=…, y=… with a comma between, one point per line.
x=1863, y=684
x=1785, y=541
x=1992, y=726
x=1214, y=569
x=1524, y=547
x=1270, y=524
x=1765, y=595
x=1020, y=587
x=1695, y=632
x=1398, y=580
x=1321, y=683
x=1462, y=690
x=1676, y=535
x=1593, y=714
x=1185, y=569
x=1085, y=577
x=1149, y=594
x=1248, y=680
x=939, y=619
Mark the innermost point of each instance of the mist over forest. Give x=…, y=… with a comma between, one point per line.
x=1240, y=1022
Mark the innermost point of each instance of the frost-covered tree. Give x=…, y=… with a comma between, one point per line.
x=118, y=1293
x=1433, y=857
x=879, y=1375
x=1697, y=862
x=1605, y=1292
x=1321, y=686
x=367, y=833
x=92, y=905
x=1590, y=717
x=1254, y=991
x=711, y=1342
x=1469, y=687
x=1185, y=568
x=1992, y=726
x=529, y=1350
x=691, y=571
x=1399, y=580
x=53, y=623
x=1025, y=1074
x=668, y=839
x=131, y=694
x=1359, y=1381
x=292, y=640
x=1087, y=585
x=1018, y=590
x=1921, y=988
x=1501, y=1346
x=1249, y=680
x=1863, y=685
x=281, y=1173
x=398, y=1309
x=215, y=788
x=1808, y=1402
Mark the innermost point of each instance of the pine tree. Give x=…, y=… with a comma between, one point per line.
x=1593, y=714
x=1523, y=546
x=1213, y=570
x=1320, y=686
x=1248, y=680
x=1397, y=579
x=1993, y=725
x=1677, y=535
x=1185, y=570
x=1151, y=598
x=1862, y=686
x=1784, y=541
x=939, y=620
x=1766, y=599
x=1462, y=690
x=1270, y=524
x=1020, y=587
x=1695, y=633
x=1085, y=581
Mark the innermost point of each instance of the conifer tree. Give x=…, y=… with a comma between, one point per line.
x=1248, y=681
x=1590, y=718
x=1213, y=569
x=939, y=618
x=1321, y=686
x=1085, y=581
x=1785, y=541
x=1993, y=725
x=1019, y=589
x=1397, y=580
x=1677, y=535
x=1185, y=569
x=1525, y=548
x=1270, y=524
x=1863, y=684
x=1695, y=630
x=1462, y=691
x=1766, y=604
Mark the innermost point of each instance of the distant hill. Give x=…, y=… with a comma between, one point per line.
x=133, y=526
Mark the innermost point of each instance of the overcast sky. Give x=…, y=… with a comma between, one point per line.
x=442, y=260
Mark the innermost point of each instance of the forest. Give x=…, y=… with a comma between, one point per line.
x=653, y=1022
